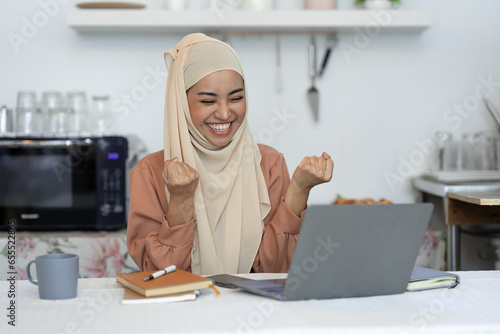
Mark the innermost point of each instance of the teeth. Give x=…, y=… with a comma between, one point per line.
x=219, y=126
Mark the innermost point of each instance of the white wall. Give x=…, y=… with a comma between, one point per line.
x=375, y=104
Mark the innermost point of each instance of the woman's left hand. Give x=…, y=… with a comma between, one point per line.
x=309, y=173
x=313, y=171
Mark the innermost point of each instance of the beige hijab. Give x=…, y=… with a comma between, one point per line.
x=231, y=200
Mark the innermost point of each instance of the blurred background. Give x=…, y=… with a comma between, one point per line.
x=380, y=101
x=390, y=102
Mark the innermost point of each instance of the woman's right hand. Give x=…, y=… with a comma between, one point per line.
x=181, y=181
x=180, y=178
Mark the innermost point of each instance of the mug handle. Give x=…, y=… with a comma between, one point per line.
x=29, y=274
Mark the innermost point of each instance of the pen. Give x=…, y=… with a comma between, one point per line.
x=162, y=272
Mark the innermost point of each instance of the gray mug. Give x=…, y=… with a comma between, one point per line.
x=57, y=275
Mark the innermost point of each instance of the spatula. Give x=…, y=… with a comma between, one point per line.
x=312, y=93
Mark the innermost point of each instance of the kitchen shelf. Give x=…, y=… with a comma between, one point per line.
x=238, y=21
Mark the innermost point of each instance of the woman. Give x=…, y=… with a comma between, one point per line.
x=213, y=201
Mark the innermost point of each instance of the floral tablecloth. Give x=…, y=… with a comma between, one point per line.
x=432, y=252
x=102, y=254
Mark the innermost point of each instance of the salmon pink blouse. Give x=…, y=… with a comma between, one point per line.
x=153, y=244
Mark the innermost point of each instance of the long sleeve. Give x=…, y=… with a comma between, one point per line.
x=151, y=242
x=281, y=226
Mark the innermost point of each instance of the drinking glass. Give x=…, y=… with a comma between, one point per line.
x=484, y=149
x=60, y=120
x=26, y=99
x=29, y=121
x=442, y=139
x=50, y=100
x=101, y=114
x=467, y=147
x=77, y=101
x=452, y=156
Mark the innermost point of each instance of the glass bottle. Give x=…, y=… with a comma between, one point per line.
x=101, y=111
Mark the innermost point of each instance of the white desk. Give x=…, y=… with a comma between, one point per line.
x=472, y=307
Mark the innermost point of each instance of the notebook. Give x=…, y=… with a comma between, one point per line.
x=351, y=251
x=176, y=282
x=427, y=279
x=130, y=297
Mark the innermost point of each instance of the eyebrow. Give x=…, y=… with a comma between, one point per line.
x=237, y=90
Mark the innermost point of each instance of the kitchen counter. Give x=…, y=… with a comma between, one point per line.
x=462, y=206
x=441, y=189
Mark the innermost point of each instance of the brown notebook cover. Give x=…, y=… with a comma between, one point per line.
x=176, y=282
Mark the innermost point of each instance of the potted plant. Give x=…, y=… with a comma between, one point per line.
x=377, y=4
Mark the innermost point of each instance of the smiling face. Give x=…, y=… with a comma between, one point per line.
x=217, y=106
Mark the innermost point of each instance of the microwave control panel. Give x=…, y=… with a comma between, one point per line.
x=111, y=161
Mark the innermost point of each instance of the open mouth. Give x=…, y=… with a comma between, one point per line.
x=220, y=128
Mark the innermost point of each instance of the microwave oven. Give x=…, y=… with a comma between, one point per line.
x=63, y=183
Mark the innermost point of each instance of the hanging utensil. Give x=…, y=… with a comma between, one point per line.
x=312, y=93
x=493, y=111
x=332, y=42
x=278, y=64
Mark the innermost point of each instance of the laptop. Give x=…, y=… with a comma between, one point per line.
x=351, y=251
